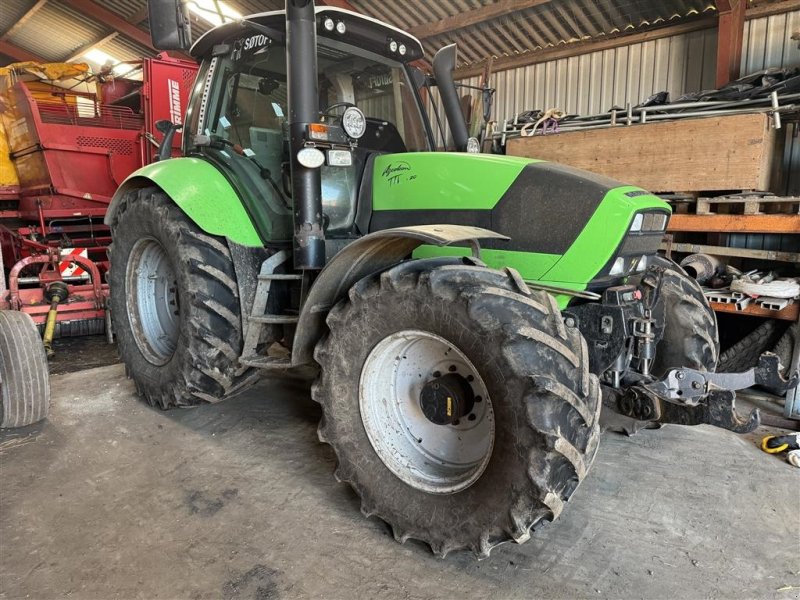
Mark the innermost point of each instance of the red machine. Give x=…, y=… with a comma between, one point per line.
x=71, y=150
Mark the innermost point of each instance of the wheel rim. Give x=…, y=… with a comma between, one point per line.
x=153, y=309
x=439, y=459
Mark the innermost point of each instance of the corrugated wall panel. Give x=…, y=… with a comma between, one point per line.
x=768, y=43
x=594, y=82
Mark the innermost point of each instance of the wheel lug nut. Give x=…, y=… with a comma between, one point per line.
x=470, y=378
x=437, y=374
x=478, y=398
x=471, y=417
x=452, y=368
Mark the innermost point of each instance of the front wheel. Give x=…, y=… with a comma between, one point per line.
x=690, y=338
x=175, y=305
x=460, y=407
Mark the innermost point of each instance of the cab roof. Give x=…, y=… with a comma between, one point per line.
x=360, y=30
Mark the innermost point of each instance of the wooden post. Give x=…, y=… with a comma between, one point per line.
x=729, y=40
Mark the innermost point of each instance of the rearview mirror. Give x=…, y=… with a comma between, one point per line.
x=169, y=25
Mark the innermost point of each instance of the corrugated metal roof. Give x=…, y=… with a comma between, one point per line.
x=547, y=25
x=56, y=31
x=12, y=11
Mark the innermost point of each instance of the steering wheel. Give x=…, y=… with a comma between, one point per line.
x=327, y=111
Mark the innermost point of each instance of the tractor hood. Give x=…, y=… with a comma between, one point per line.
x=565, y=224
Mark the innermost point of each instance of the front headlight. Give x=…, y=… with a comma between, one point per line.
x=354, y=122
x=646, y=222
x=618, y=268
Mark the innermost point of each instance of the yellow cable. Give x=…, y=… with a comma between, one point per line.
x=769, y=450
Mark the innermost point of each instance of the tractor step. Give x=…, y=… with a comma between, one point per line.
x=275, y=319
x=266, y=362
x=280, y=277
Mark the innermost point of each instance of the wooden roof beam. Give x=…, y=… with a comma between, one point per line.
x=19, y=54
x=114, y=21
x=729, y=40
x=75, y=55
x=473, y=17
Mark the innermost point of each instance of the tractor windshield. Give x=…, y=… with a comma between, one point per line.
x=242, y=107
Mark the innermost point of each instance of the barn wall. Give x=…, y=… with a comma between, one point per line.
x=594, y=82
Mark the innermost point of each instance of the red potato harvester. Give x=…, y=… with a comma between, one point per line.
x=68, y=139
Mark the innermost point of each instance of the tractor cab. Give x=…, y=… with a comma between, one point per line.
x=368, y=99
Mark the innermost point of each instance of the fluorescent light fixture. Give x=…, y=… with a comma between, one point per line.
x=207, y=10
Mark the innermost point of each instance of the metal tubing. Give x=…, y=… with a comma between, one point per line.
x=776, y=115
x=303, y=101
x=710, y=108
x=606, y=123
x=36, y=280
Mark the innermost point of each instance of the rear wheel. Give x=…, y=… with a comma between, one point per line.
x=460, y=407
x=175, y=305
x=24, y=380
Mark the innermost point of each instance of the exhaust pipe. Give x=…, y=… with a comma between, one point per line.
x=443, y=64
x=303, y=101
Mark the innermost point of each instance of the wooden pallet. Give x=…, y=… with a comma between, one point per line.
x=748, y=204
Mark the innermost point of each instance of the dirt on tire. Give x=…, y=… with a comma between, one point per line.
x=204, y=366
x=546, y=403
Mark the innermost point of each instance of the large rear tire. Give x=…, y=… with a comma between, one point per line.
x=24, y=380
x=174, y=305
x=491, y=475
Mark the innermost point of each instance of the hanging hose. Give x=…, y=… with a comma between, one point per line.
x=56, y=292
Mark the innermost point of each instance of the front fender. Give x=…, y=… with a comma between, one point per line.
x=199, y=190
x=370, y=254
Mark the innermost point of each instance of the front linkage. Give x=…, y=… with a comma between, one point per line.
x=690, y=397
x=682, y=395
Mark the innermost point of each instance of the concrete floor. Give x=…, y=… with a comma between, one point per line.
x=112, y=499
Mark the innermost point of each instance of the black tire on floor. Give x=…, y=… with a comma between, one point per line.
x=690, y=337
x=546, y=403
x=744, y=353
x=203, y=366
x=785, y=347
x=24, y=380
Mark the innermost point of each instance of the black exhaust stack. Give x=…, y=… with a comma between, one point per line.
x=443, y=64
x=303, y=101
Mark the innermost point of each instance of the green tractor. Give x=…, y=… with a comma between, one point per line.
x=462, y=371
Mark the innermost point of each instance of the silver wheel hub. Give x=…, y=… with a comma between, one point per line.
x=439, y=459
x=153, y=307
